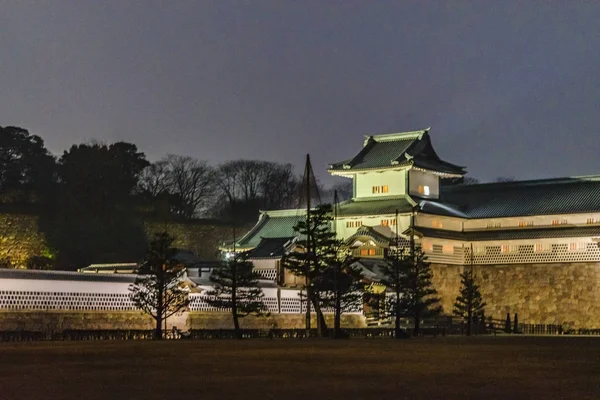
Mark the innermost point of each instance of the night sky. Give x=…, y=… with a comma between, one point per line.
x=508, y=88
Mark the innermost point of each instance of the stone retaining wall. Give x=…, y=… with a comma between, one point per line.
x=214, y=320
x=565, y=294
x=53, y=321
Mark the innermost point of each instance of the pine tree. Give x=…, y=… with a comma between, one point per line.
x=409, y=274
x=469, y=304
x=236, y=289
x=317, y=253
x=419, y=298
x=156, y=290
x=394, y=272
x=340, y=285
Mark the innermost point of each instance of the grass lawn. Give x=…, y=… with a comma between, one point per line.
x=430, y=368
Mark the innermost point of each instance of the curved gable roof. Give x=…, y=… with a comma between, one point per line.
x=397, y=149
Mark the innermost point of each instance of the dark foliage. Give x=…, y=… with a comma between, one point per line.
x=236, y=289
x=316, y=253
x=40, y=263
x=156, y=290
x=340, y=285
x=409, y=275
x=469, y=304
x=27, y=170
x=91, y=213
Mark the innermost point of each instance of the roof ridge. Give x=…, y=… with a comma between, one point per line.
x=378, y=198
x=528, y=182
x=389, y=137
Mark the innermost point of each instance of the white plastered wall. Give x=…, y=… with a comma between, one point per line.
x=394, y=179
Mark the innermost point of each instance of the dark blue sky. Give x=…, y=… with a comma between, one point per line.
x=509, y=88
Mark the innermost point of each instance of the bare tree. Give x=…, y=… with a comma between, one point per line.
x=249, y=185
x=193, y=181
x=185, y=183
x=154, y=179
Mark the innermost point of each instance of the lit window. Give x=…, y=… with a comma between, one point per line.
x=353, y=224
x=424, y=190
x=592, y=220
x=523, y=224
x=543, y=247
x=494, y=225
x=427, y=247
x=384, y=222
x=447, y=249
x=559, y=222
x=509, y=248
x=364, y=252
x=384, y=189
x=436, y=223
x=478, y=250
x=375, y=189
x=577, y=246
x=371, y=252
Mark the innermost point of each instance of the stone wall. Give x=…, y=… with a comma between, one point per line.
x=54, y=321
x=20, y=237
x=565, y=294
x=214, y=320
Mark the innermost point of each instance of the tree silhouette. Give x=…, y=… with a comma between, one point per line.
x=340, y=284
x=156, y=290
x=469, y=304
x=317, y=252
x=409, y=274
x=236, y=289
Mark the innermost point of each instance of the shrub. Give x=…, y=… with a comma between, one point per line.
x=40, y=263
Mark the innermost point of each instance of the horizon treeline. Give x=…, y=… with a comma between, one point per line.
x=90, y=198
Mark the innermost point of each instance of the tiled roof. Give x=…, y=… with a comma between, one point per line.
x=509, y=234
x=372, y=268
x=270, y=248
x=388, y=151
x=271, y=227
x=388, y=205
x=65, y=276
x=524, y=198
x=371, y=232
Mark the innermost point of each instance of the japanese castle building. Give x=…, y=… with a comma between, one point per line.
x=534, y=245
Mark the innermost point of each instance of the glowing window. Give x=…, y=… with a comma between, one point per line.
x=479, y=250
x=424, y=190
x=543, y=247
x=523, y=224
x=592, y=220
x=353, y=224
x=559, y=222
x=494, y=225
x=384, y=189
x=364, y=252
x=371, y=252
x=384, y=222
x=509, y=248
x=436, y=223
x=577, y=246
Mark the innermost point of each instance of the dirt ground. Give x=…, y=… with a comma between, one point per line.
x=430, y=368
